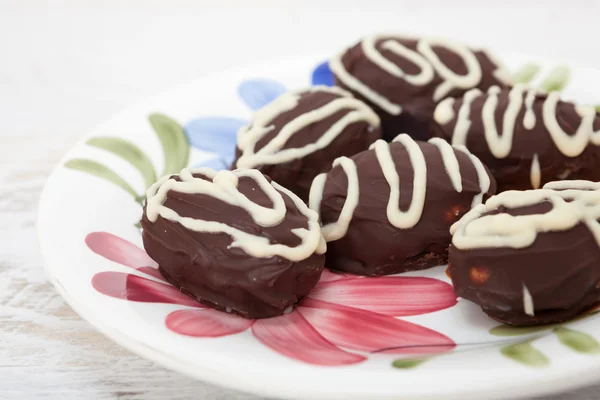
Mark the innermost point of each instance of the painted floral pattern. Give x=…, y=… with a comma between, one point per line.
x=343, y=320
x=216, y=135
x=526, y=353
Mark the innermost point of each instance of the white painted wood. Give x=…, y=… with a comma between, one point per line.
x=66, y=67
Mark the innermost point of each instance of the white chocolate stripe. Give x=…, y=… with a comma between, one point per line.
x=337, y=67
x=569, y=145
x=404, y=219
x=535, y=175
x=426, y=74
x=444, y=112
x=451, y=80
x=273, y=152
x=396, y=217
x=529, y=117
x=450, y=162
x=428, y=62
x=500, y=144
x=262, y=118
x=573, y=202
x=316, y=191
x=528, y=306
x=338, y=229
x=223, y=186
x=463, y=123
x=482, y=175
x=501, y=73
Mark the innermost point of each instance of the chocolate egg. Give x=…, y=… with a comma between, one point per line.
x=297, y=136
x=403, y=78
x=526, y=138
x=531, y=257
x=389, y=209
x=234, y=240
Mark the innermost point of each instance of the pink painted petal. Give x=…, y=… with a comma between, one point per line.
x=136, y=288
x=206, y=323
x=118, y=250
x=328, y=276
x=292, y=336
x=153, y=272
x=390, y=295
x=363, y=330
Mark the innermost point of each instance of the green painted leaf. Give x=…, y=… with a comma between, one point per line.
x=578, y=341
x=508, y=330
x=128, y=152
x=101, y=171
x=526, y=73
x=557, y=79
x=598, y=108
x=141, y=199
x=176, y=147
x=408, y=363
x=526, y=354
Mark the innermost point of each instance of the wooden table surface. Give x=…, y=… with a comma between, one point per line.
x=65, y=68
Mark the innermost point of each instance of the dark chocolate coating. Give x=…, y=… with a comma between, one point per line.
x=297, y=175
x=416, y=101
x=513, y=171
x=372, y=246
x=203, y=266
x=560, y=270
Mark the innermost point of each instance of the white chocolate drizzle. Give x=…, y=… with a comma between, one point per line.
x=274, y=152
x=570, y=145
x=223, y=185
x=338, y=229
x=482, y=175
x=500, y=144
x=450, y=162
x=463, y=123
x=426, y=74
x=527, y=302
x=423, y=57
x=444, y=112
x=535, y=175
x=529, y=117
x=501, y=72
x=396, y=217
x=572, y=202
x=450, y=79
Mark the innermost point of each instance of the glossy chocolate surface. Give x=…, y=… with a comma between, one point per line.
x=417, y=101
x=560, y=271
x=298, y=174
x=372, y=245
x=527, y=146
x=206, y=267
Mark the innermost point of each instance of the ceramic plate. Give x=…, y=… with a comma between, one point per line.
x=402, y=336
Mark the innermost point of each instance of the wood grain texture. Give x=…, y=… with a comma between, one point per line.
x=67, y=68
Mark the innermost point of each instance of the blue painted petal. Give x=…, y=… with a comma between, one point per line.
x=322, y=75
x=214, y=134
x=260, y=92
x=229, y=160
x=216, y=163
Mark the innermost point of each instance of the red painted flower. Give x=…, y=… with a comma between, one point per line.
x=342, y=320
